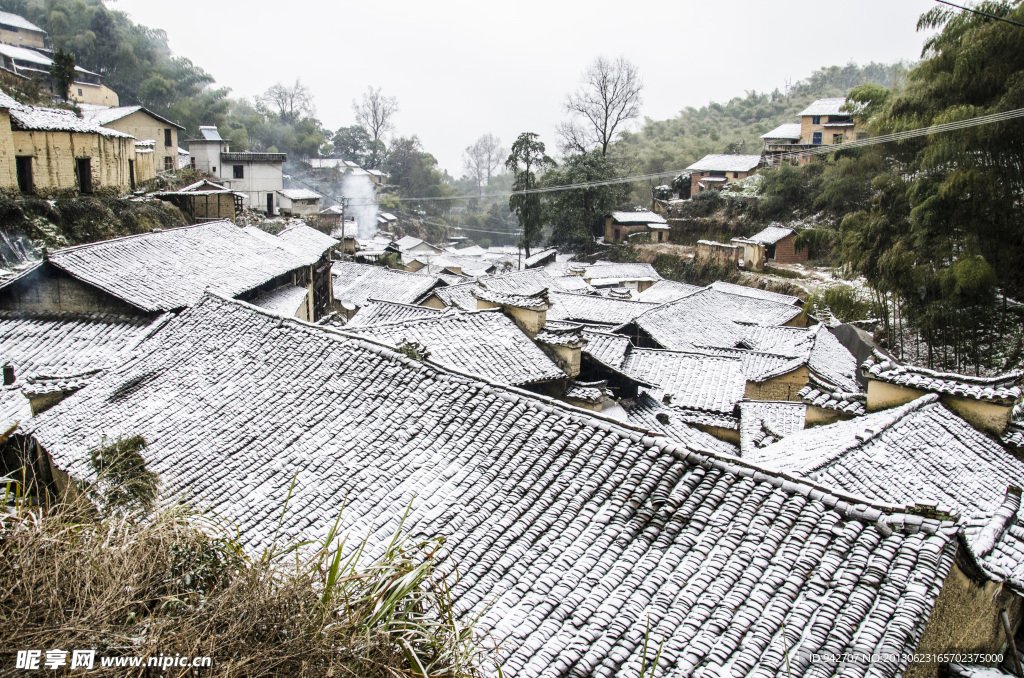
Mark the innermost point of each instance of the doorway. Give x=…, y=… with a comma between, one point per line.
x=83, y=167
x=270, y=204
x=23, y=166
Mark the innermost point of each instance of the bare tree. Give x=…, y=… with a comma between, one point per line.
x=608, y=98
x=483, y=157
x=290, y=101
x=374, y=114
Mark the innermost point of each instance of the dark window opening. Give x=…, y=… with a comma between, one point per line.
x=837, y=138
x=816, y=139
x=192, y=161
x=213, y=170
x=735, y=175
x=718, y=173
x=23, y=165
x=168, y=163
x=239, y=171
x=79, y=91
x=815, y=119
x=83, y=168
x=167, y=138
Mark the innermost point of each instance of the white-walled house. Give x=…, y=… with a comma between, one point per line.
x=299, y=202
x=259, y=175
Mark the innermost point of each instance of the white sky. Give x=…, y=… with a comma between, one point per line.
x=462, y=69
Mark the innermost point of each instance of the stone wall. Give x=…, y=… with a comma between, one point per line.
x=782, y=387
x=718, y=253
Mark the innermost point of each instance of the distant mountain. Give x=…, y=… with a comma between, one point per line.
x=736, y=126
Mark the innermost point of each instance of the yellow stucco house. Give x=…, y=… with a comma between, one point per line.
x=52, y=148
x=144, y=125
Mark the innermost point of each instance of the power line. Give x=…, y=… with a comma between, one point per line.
x=822, y=149
x=985, y=14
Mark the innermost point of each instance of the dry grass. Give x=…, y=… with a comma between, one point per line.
x=177, y=581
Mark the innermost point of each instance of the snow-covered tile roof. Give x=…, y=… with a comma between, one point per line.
x=285, y=301
x=486, y=343
x=744, y=291
x=667, y=290
x=612, y=271
x=638, y=217
x=377, y=312
x=105, y=116
x=14, y=410
x=977, y=671
x=594, y=310
x=712, y=318
x=608, y=349
x=692, y=381
x=358, y=283
x=918, y=452
x=832, y=361
x=18, y=21
x=170, y=269
x=1014, y=433
x=300, y=194
x=1005, y=387
x=42, y=345
x=37, y=118
x=726, y=163
x=757, y=365
x=771, y=235
x=765, y=422
x=827, y=397
x=829, y=106
x=572, y=534
x=787, y=130
x=307, y=240
x=537, y=301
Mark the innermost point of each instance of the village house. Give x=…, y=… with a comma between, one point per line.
x=298, y=202
x=355, y=284
x=781, y=142
x=19, y=31
x=259, y=175
x=50, y=148
x=152, y=273
x=31, y=63
x=535, y=498
x=143, y=124
x=775, y=244
x=620, y=225
x=823, y=123
x=714, y=171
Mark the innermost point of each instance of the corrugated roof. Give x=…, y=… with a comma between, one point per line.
x=726, y=162
x=787, y=130
x=170, y=269
x=485, y=343
x=574, y=537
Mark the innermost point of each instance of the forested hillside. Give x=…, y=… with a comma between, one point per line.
x=736, y=126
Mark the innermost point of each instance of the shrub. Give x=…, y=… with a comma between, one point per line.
x=843, y=301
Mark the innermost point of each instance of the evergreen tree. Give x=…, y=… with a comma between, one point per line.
x=527, y=157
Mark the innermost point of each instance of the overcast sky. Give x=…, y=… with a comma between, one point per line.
x=462, y=69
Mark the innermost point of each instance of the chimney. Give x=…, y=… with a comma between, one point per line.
x=564, y=346
x=529, y=311
x=8, y=374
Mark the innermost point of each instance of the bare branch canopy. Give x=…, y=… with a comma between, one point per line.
x=608, y=98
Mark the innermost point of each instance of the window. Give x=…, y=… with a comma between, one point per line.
x=735, y=175
x=23, y=165
x=79, y=91
x=168, y=163
x=816, y=139
x=213, y=169
x=837, y=138
x=192, y=162
x=239, y=171
x=83, y=168
x=167, y=137
x=815, y=119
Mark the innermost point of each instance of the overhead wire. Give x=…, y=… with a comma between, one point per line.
x=822, y=149
x=984, y=14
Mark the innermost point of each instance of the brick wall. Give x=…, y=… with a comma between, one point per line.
x=786, y=252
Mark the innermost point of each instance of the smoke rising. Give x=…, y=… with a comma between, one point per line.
x=362, y=203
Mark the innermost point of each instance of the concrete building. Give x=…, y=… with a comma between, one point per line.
x=259, y=175
x=143, y=124
x=299, y=202
x=714, y=171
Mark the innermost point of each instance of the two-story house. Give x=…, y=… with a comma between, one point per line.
x=259, y=175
